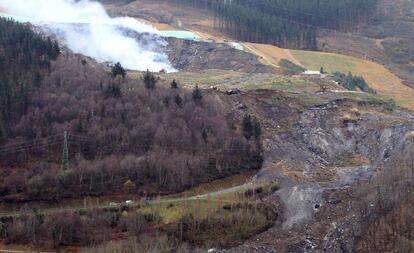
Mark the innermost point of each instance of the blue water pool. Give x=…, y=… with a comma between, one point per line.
x=185, y=35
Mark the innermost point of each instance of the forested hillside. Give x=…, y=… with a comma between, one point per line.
x=24, y=56
x=285, y=23
x=124, y=135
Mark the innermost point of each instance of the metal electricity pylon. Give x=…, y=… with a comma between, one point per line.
x=65, y=160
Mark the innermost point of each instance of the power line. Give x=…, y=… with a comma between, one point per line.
x=30, y=149
x=27, y=142
x=108, y=147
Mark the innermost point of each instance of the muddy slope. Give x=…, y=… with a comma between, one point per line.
x=187, y=55
x=190, y=55
x=322, y=154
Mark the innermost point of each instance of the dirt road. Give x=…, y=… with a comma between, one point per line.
x=165, y=200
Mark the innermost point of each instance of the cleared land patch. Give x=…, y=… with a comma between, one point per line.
x=224, y=80
x=270, y=54
x=377, y=76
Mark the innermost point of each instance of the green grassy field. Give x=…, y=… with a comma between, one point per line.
x=330, y=62
x=304, y=89
x=377, y=76
x=171, y=210
x=226, y=79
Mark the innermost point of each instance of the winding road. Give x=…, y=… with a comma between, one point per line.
x=165, y=200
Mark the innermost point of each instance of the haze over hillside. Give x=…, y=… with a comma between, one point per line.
x=86, y=28
x=206, y=126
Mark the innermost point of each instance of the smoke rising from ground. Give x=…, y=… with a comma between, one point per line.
x=87, y=29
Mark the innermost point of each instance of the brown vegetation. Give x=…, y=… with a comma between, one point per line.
x=228, y=226
x=387, y=210
x=125, y=135
x=67, y=228
x=118, y=131
x=225, y=224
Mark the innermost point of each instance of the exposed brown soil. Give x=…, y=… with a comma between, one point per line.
x=321, y=159
x=321, y=148
x=189, y=55
x=369, y=50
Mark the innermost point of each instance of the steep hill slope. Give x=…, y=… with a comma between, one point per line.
x=386, y=39
x=333, y=158
x=378, y=76
x=336, y=167
x=111, y=119
x=200, y=21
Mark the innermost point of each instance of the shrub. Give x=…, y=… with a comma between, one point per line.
x=149, y=80
x=274, y=188
x=251, y=127
x=118, y=70
x=174, y=84
x=259, y=190
x=197, y=94
x=351, y=82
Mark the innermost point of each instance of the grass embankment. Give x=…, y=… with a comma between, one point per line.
x=378, y=77
x=220, y=218
x=172, y=210
x=224, y=80
x=299, y=88
x=88, y=203
x=302, y=89
x=218, y=185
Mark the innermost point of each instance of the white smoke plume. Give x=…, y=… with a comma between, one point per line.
x=99, y=37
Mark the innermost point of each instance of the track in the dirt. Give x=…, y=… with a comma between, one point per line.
x=142, y=202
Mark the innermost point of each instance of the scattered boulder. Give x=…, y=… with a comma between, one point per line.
x=232, y=92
